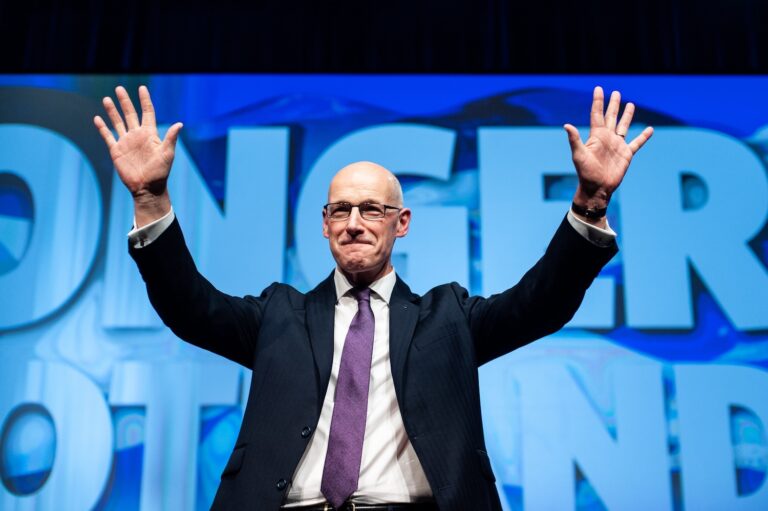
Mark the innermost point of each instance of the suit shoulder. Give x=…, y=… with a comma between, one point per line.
x=451, y=291
x=450, y=287
x=277, y=291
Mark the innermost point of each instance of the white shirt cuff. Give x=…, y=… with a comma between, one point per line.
x=596, y=235
x=142, y=237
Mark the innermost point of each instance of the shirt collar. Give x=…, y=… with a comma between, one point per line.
x=382, y=287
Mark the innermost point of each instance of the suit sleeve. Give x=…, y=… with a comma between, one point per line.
x=544, y=300
x=193, y=308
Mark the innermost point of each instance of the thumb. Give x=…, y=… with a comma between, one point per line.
x=573, y=137
x=173, y=134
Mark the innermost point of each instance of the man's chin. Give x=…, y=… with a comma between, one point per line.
x=355, y=266
x=357, y=257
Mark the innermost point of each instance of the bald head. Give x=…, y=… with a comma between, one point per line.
x=366, y=181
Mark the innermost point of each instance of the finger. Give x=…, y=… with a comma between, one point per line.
x=173, y=134
x=109, y=139
x=131, y=118
x=573, y=138
x=596, y=119
x=114, y=116
x=147, y=109
x=612, y=112
x=626, y=119
x=641, y=139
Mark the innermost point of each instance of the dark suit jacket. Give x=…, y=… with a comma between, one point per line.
x=437, y=342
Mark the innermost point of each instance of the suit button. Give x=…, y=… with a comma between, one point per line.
x=281, y=484
x=306, y=432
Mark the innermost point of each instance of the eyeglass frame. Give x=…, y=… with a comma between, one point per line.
x=385, y=206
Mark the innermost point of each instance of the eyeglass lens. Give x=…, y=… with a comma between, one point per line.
x=368, y=210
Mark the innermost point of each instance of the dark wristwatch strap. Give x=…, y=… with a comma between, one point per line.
x=589, y=213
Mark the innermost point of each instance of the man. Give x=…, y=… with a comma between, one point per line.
x=362, y=392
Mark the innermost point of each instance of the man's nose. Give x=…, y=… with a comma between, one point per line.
x=354, y=222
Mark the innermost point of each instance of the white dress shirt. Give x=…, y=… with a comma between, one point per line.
x=390, y=471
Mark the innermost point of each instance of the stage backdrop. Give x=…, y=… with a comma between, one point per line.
x=655, y=396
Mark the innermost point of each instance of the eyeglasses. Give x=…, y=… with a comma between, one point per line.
x=368, y=210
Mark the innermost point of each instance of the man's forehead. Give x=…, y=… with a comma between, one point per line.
x=359, y=189
x=361, y=181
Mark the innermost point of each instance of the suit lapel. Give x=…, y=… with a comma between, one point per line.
x=403, y=316
x=321, y=304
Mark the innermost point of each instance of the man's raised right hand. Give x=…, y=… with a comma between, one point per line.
x=141, y=159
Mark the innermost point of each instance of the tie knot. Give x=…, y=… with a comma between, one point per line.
x=362, y=294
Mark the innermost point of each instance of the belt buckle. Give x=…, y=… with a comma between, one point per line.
x=328, y=507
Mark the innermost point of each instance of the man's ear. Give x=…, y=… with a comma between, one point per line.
x=326, y=232
x=403, y=222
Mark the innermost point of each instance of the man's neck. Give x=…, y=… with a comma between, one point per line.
x=365, y=279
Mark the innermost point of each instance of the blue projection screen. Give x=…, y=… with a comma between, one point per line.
x=655, y=396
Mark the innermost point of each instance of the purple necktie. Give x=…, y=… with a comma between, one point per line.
x=345, y=442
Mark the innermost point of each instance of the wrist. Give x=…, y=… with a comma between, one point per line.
x=599, y=220
x=148, y=207
x=588, y=212
x=597, y=199
x=591, y=207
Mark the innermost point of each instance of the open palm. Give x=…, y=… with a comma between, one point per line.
x=603, y=160
x=142, y=160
